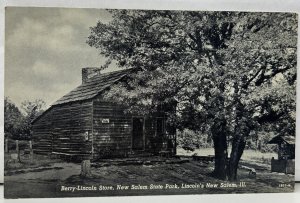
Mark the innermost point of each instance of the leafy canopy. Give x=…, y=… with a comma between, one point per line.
x=208, y=62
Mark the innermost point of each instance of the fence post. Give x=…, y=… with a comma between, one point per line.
x=18, y=150
x=30, y=148
x=86, y=168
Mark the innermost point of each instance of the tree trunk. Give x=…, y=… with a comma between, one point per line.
x=220, y=147
x=171, y=127
x=238, y=147
x=218, y=130
x=86, y=168
x=242, y=130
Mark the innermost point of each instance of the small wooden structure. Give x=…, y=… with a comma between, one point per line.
x=83, y=124
x=286, y=154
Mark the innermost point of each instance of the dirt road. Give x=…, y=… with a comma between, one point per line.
x=41, y=182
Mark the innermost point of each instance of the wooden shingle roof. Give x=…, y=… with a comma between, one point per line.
x=279, y=139
x=93, y=86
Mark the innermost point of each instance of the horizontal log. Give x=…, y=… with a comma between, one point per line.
x=70, y=154
x=73, y=151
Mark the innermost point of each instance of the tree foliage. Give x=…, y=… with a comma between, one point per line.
x=32, y=109
x=17, y=123
x=12, y=118
x=223, y=73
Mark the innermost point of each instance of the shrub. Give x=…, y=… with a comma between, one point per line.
x=191, y=140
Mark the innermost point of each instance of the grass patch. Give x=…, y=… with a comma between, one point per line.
x=248, y=155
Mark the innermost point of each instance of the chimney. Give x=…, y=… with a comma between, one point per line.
x=89, y=72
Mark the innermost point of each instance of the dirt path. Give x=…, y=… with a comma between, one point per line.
x=40, y=182
x=58, y=171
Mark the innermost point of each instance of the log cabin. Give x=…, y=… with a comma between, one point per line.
x=82, y=125
x=286, y=154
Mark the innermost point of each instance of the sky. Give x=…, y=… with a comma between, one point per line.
x=45, y=50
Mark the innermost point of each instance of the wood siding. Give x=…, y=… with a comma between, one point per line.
x=112, y=130
x=95, y=129
x=115, y=138
x=42, y=134
x=65, y=129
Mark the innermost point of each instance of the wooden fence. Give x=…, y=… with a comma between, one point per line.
x=17, y=151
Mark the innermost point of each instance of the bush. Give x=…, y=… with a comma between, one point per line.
x=259, y=141
x=191, y=140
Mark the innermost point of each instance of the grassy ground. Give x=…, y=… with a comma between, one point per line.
x=49, y=177
x=248, y=155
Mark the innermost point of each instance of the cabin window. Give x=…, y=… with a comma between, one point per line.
x=160, y=127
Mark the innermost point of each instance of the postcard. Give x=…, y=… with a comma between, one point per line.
x=115, y=102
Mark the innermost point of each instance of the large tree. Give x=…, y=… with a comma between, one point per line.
x=206, y=68
x=17, y=122
x=262, y=55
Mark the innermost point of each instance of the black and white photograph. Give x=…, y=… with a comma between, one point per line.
x=125, y=102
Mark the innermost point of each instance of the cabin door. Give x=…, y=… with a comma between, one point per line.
x=138, y=133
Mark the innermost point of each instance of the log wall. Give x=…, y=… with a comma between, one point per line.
x=114, y=138
x=65, y=130
x=112, y=130
x=94, y=129
x=42, y=134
